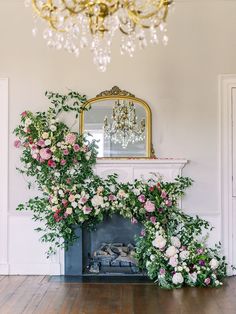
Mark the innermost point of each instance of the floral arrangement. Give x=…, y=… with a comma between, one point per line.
x=170, y=248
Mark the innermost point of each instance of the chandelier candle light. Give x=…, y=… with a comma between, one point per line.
x=124, y=128
x=74, y=24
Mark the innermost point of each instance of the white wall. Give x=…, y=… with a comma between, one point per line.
x=178, y=81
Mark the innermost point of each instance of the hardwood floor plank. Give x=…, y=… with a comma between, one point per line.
x=8, y=286
x=38, y=295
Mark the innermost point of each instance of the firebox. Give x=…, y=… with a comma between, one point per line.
x=109, y=250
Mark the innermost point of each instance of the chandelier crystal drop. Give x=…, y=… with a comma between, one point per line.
x=124, y=128
x=74, y=24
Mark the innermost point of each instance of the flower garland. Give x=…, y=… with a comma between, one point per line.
x=170, y=248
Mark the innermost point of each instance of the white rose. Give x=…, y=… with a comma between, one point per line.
x=214, y=263
x=54, y=208
x=193, y=277
x=88, y=155
x=57, y=174
x=112, y=188
x=100, y=189
x=53, y=128
x=61, y=193
x=177, y=278
x=152, y=257
x=54, y=200
x=171, y=251
x=173, y=261
x=175, y=241
x=97, y=211
x=97, y=200
x=27, y=122
x=148, y=263
x=159, y=242
x=69, y=211
x=74, y=204
x=136, y=191
x=184, y=255
x=45, y=135
x=47, y=142
x=180, y=268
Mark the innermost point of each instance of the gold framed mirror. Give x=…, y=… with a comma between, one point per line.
x=121, y=122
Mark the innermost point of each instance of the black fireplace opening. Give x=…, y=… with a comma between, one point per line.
x=109, y=250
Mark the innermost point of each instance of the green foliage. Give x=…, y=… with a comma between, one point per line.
x=61, y=163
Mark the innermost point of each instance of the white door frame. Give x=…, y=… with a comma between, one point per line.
x=226, y=85
x=4, y=268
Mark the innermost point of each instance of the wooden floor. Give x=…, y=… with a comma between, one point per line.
x=36, y=294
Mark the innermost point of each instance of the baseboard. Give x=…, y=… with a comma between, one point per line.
x=35, y=269
x=4, y=269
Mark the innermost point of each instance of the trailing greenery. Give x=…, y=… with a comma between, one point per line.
x=170, y=247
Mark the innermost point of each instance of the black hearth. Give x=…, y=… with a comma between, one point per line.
x=106, y=251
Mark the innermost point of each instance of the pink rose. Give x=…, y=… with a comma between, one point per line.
x=45, y=153
x=162, y=271
x=134, y=220
x=51, y=163
x=111, y=197
x=141, y=198
x=70, y=138
x=34, y=147
x=41, y=143
x=149, y=206
x=66, y=152
x=86, y=210
x=173, y=261
x=207, y=281
x=153, y=219
x=163, y=194
x=63, y=162
x=24, y=114
x=142, y=233
x=17, y=143
x=64, y=202
x=76, y=147
x=83, y=200
x=35, y=156
x=168, y=203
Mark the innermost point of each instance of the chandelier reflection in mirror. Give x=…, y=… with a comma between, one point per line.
x=124, y=127
x=74, y=24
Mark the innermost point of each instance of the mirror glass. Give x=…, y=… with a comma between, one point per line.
x=120, y=127
x=120, y=122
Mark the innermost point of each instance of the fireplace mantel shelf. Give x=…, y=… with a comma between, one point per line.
x=158, y=161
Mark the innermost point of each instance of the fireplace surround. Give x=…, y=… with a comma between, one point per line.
x=116, y=229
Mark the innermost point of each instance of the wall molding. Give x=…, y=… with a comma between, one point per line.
x=226, y=84
x=4, y=268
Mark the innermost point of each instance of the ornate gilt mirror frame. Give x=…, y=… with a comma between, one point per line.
x=117, y=94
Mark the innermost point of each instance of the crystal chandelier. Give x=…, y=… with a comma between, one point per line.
x=124, y=128
x=74, y=24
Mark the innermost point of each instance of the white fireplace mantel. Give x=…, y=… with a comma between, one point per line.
x=130, y=169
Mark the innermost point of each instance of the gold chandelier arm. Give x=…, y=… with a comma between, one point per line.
x=72, y=9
